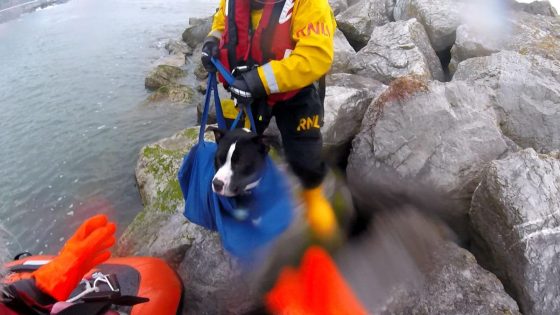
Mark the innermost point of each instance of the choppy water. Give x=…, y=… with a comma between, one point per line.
x=71, y=114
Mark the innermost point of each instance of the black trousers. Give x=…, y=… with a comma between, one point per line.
x=299, y=120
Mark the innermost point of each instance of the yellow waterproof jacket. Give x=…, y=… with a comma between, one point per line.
x=313, y=52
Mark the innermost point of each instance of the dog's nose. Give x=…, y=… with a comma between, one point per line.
x=217, y=184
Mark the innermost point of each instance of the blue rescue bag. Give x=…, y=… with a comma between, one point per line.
x=269, y=205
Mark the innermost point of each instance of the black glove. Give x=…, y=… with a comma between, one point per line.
x=247, y=87
x=210, y=49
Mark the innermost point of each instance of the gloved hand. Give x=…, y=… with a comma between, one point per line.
x=87, y=248
x=247, y=87
x=210, y=49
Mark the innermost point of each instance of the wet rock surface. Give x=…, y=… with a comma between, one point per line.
x=440, y=18
x=521, y=32
x=515, y=213
x=360, y=19
x=397, y=49
x=525, y=92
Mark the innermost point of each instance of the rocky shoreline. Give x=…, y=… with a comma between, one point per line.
x=422, y=87
x=12, y=9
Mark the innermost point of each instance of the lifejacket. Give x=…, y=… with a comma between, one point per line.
x=241, y=45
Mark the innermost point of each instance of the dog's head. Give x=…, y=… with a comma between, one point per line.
x=239, y=161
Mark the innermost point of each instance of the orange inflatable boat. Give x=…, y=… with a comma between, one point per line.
x=134, y=285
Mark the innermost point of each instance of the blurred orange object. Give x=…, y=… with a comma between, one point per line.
x=317, y=288
x=87, y=248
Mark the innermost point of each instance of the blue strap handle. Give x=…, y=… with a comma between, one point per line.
x=223, y=71
x=204, y=118
x=212, y=85
x=230, y=79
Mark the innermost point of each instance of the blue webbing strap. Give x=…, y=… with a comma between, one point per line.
x=244, y=107
x=218, y=105
x=227, y=76
x=204, y=118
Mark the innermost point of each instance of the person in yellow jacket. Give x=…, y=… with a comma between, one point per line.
x=278, y=50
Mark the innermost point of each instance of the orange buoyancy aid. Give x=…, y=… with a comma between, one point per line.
x=244, y=45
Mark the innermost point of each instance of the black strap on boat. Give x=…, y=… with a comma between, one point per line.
x=97, y=308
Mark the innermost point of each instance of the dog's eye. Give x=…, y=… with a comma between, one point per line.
x=220, y=160
x=235, y=158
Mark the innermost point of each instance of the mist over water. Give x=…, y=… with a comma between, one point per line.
x=71, y=112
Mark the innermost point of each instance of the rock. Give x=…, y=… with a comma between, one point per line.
x=178, y=47
x=359, y=20
x=175, y=93
x=197, y=31
x=397, y=49
x=390, y=8
x=455, y=285
x=199, y=71
x=525, y=93
x=521, y=32
x=161, y=230
x=214, y=283
x=347, y=98
x=470, y=43
x=175, y=60
x=440, y=18
x=440, y=134
x=162, y=75
x=338, y=6
x=535, y=7
x=515, y=213
x=343, y=53
x=156, y=175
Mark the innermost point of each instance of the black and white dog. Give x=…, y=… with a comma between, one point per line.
x=239, y=161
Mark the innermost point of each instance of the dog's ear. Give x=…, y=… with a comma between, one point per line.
x=266, y=141
x=218, y=133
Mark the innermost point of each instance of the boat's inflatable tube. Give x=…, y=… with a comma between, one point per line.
x=144, y=277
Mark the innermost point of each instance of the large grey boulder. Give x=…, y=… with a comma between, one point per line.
x=174, y=60
x=174, y=93
x=214, y=283
x=515, y=212
x=440, y=134
x=440, y=18
x=161, y=230
x=346, y=100
x=343, y=53
x=197, y=31
x=398, y=49
x=359, y=20
x=155, y=230
x=456, y=284
x=525, y=91
x=178, y=47
x=338, y=6
x=517, y=31
x=535, y=7
x=162, y=75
